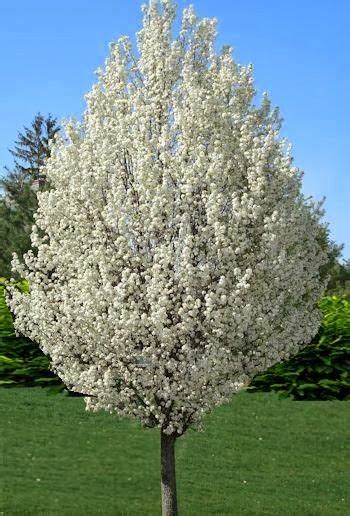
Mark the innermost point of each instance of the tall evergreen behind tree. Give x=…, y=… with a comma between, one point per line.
x=18, y=202
x=339, y=283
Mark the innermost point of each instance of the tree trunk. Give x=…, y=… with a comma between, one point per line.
x=168, y=478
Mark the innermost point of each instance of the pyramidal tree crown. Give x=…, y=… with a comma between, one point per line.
x=174, y=256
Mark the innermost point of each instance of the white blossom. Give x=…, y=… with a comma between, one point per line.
x=174, y=256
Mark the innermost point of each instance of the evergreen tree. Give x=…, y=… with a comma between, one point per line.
x=16, y=218
x=31, y=149
x=18, y=202
x=339, y=283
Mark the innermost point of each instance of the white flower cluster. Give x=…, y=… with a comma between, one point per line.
x=174, y=256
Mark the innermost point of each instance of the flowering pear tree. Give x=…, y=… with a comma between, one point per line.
x=174, y=256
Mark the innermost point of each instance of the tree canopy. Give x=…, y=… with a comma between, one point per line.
x=174, y=256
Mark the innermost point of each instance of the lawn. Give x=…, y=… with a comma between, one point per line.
x=258, y=455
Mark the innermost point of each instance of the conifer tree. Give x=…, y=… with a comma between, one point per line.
x=18, y=202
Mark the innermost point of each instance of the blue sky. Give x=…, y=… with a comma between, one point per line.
x=300, y=50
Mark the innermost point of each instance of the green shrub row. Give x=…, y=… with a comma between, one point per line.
x=321, y=371
x=21, y=360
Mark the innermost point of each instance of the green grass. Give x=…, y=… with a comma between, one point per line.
x=258, y=455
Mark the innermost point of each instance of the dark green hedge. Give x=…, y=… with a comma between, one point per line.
x=21, y=360
x=321, y=371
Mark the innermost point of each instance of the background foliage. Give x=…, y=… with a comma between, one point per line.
x=321, y=371
x=21, y=360
x=339, y=283
x=18, y=201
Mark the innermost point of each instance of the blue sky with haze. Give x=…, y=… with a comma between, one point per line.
x=300, y=51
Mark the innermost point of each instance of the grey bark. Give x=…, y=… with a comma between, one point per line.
x=168, y=477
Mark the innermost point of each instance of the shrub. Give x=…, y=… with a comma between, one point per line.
x=321, y=371
x=21, y=360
